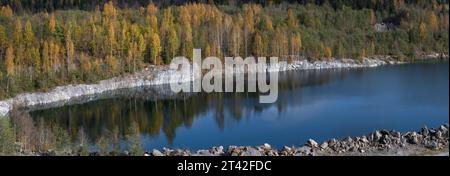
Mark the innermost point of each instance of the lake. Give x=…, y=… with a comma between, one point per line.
x=317, y=104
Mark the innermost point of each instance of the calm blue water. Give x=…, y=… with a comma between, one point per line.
x=312, y=104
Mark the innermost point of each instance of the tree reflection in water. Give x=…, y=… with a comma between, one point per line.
x=155, y=116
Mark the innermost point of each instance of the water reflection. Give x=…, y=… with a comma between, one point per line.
x=155, y=117
x=318, y=104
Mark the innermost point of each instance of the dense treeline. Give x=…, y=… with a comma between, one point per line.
x=43, y=49
x=51, y=5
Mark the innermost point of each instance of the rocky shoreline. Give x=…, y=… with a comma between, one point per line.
x=160, y=75
x=427, y=141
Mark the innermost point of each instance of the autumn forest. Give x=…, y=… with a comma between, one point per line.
x=50, y=43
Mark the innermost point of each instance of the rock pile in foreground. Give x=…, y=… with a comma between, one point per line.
x=427, y=141
x=381, y=142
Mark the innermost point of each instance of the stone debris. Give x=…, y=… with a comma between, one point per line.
x=427, y=141
x=383, y=143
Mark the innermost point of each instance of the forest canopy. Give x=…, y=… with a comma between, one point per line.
x=45, y=43
x=51, y=5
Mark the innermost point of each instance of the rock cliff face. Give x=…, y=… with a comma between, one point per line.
x=160, y=75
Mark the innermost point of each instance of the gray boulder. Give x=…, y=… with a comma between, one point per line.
x=157, y=153
x=251, y=152
x=312, y=143
x=204, y=153
x=324, y=145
